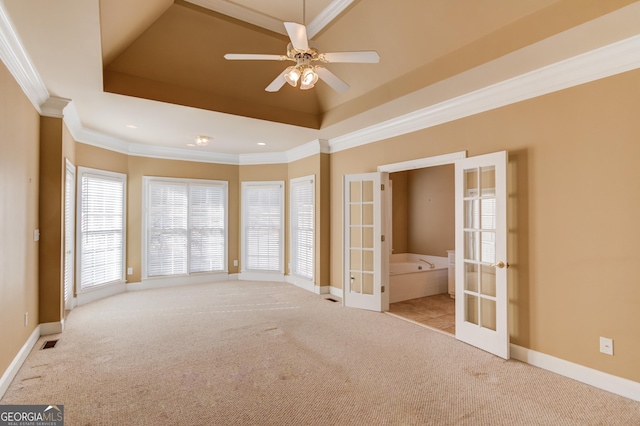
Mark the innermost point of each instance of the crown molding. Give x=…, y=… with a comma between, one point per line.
x=16, y=59
x=54, y=107
x=307, y=150
x=327, y=16
x=242, y=13
x=262, y=158
x=599, y=63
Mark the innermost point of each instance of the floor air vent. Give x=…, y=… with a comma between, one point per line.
x=49, y=344
x=330, y=299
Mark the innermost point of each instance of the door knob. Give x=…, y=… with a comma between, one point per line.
x=500, y=265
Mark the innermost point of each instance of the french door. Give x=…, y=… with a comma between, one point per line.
x=366, y=256
x=69, y=233
x=481, y=250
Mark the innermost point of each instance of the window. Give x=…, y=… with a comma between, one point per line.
x=302, y=203
x=185, y=226
x=263, y=226
x=101, y=227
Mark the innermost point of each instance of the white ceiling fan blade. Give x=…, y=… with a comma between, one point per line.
x=278, y=82
x=253, y=57
x=298, y=35
x=332, y=80
x=365, y=56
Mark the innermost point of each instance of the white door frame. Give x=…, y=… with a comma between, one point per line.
x=69, y=238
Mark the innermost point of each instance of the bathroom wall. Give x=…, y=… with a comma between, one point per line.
x=431, y=210
x=423, y=210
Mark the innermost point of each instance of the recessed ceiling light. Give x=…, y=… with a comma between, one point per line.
x=131, y=126
x=191, y=144
x=202, y=140
x=262, y=143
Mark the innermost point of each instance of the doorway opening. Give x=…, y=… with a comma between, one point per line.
x=421, y=226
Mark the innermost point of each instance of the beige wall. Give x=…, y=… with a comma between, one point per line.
x=19, y=177
x=573, y=203
x=423, y=210
x=431, y=211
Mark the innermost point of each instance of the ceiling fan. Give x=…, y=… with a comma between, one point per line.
x=305, y=71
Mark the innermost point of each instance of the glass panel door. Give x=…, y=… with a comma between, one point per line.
x=363, y=282
x=481, y=301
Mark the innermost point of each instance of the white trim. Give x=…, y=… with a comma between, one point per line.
x=242, y=13
x=54, y=107
x=610, y=383
x=325, y=17
x=309, y=149
x=262, y=158
x=606, y=61
x=438, y=160
x=49, y=328
x=303, y=283
x=337, y=292
x=18, y=360
x=17, y=60
x=261, y=276
x=97, y=293
x=178, y=281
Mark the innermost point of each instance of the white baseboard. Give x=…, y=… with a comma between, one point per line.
x=100, y=293
x=261, y=276
x=325, y=289
x=48, y=328
x=17, y=362
x=335, y=292
x=163, y=282
x=614, y=384
x=303, y=283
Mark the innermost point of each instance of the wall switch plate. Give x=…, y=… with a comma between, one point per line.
x=26, y=319
x=606, y=346
x=129, y=271
x=235, y=262
x=36, y=235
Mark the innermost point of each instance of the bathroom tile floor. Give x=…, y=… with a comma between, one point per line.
x=436, y=311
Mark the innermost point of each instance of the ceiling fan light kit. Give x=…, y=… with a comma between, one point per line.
x=303, y=55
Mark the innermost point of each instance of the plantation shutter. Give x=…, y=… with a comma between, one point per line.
x=263, y=227
x=102, y=229
x=207, y=228
x=167, y=228
x=302, y=227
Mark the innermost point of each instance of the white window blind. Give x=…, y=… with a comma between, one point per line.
x=302, y=226
x=186, y=226
x=101, y=227
x=263, y=225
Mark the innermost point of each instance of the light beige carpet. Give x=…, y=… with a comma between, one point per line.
x=246, y=353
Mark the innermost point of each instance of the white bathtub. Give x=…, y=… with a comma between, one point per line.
x=410, y=278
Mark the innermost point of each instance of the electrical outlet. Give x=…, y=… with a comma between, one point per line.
x=36, y=235
x=129, y=271
x=606, y=346
x=26, y=319
x=235, y=262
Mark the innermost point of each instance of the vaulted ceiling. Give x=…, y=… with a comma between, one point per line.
x=157, y=66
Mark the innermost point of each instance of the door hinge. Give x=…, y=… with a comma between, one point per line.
x=382, y=187
x=382, y=238
x=383, y=289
